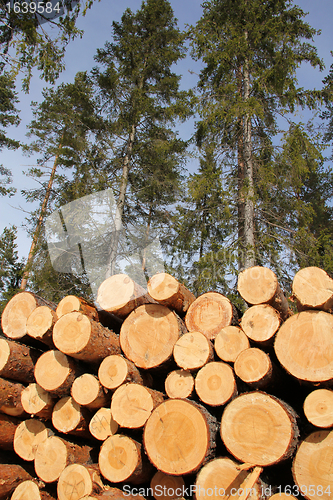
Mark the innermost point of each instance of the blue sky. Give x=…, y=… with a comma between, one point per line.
x=79, y=57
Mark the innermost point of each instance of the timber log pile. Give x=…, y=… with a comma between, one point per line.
x=159, y=394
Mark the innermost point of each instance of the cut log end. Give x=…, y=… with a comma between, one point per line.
x=87, y=391
x=67, y=417
x=102, y=424
x=230, y=342
x=28, y=435
x=114, y=370
x=40, y=324
x=254, y=367
x=215, y=383
x=318, y=408
x=166, y=487
x=261, y=322
x=313, y=288
x=54, y=372
x=179, y=384
x=192, y=350
x=166, y=290
x=15, y=315
x=37, y=402
x=257, y=285
x=119, y=458
x=76, y=481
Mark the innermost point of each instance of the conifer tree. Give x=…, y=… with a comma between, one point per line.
x=11, y=266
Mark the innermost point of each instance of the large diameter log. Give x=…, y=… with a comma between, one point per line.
x=11, y=475
x=102, y=424
x=40, y=324
x=82, y=338
x=179, y=384
x=120, y=295
x=10, y=398
x=254, y=367
x=132, y=404
x=55, y=372
x=259, y=429
x=29, y=490
x=259, y=285
x=260, y=323
x=304, y=346
x=149, y=333
x=78, y=480
x=230, y=342
x=8, y=427
x=193, y=350
x=37, y=402
x=87, y=391
x=318, y=408
x=313, y=289
x=28, y=435
x=223, y=478
x=15, y=315
x=116, y=370
x=70, y=418
x=215, y=383
x=17, y=361
x=179, y=437
x=166, y=487
x=209, y=313
x=54, y=454
x=120, y=459
x=312, y=466
x=166, y=290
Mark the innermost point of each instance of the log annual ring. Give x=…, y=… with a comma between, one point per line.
x=257, y=285
x=72, y=332
x=40, y=321
x=118, y=458
x=318, y=408
x=312, y=466
x=131, y=405
x=215, y=383
x=50, y=459
x=192, y=350
x=66, y=414
x=35, y=399
x=52, y=369
x=313, y=287
x=15, y=315
x=102, y=424
x=85, y=389
x=119, y=295
x=304, y=346
x=113, y=371
x=176, y=437
x=221, y=478
x=68, y=304
x=255, y=428
x=209, y=313
x=179, y=384
x=260, y=322
x=28, y=490
x=252, y=365
x=28, y=435
x=166, y=487
x=230, y=342
x=162, y=286
x=148, y=335
x=74, y=483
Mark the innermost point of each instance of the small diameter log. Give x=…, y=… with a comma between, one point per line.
x=222, y=478
x=149, y=333
x=29, y=490
x=179, y=384
x=312, y=466
x=259, y=285
x=102, y=424
x=11, y=475
x=304, y=346
x=209, y=313
x=28, y=435
x=313, y=289
x=132, y=404
x=121, y=459
x=72, y=303
x=87, y=391
x=254, y=367
x=17, y=361
x=179, y=437
x=8, y=427
x=10, y=398
x=120, y=295
x=115, y=494
x=55, y=454
x=260, y=323
x=318, y=408
x=259, y=429
x=82, y=338
x=70, y=418
x=215, y=383
x=55, y=372
x=230, y=342
x=40, y=324
x=166, y=487
x=166, y=290
x=37, y=402
x=15, y=315
x=77, y=480
x=116, y=370
x=193, y=350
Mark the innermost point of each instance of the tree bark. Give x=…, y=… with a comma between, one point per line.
x=10, y=398
x=8, y=427
x=17, y=361
x=11, y=476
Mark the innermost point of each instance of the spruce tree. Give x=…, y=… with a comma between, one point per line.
x=11, y=266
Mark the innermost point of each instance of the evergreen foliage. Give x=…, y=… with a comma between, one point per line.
x=11, y=267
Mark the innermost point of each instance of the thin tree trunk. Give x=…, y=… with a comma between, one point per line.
x=240, y=176
x=39, y=223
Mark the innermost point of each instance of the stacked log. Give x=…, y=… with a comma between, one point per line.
x=166, y=395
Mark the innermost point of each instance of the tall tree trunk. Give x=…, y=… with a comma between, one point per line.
x=39, y=223
x=240, y=175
